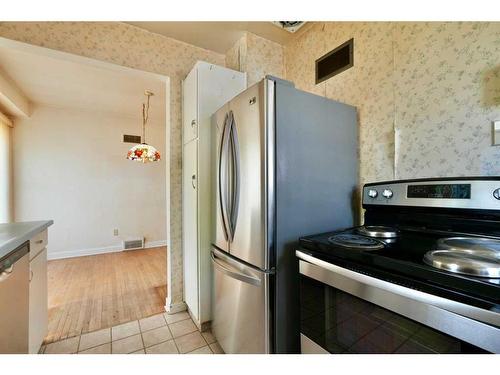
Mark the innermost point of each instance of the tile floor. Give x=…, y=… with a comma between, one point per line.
x=157, y=334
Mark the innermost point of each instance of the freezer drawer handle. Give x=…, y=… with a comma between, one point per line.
x=234, y=274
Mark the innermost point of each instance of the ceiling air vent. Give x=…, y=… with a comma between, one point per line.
x=290, y=26
x=131, y=138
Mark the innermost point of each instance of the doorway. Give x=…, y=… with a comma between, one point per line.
x=69, y=165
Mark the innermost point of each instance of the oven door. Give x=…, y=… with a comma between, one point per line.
x=343, y=311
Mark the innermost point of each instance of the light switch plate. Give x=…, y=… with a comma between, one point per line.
x=496, y=133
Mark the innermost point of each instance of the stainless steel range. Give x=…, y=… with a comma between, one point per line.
x=421, y=276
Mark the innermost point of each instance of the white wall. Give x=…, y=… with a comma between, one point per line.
x=70, y=166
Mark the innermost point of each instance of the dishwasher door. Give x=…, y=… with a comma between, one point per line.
x=14, y=301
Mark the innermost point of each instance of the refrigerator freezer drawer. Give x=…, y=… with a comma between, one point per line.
x=241, y=309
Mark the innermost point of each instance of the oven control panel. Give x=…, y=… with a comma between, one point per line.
x=447, y=193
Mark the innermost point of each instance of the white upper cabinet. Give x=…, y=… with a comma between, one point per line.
x=207, y=88
x=190, y=106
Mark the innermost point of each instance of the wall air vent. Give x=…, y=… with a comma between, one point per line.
x=131, y=138
x=335, y=61
x=290, y=26
x=133, y=243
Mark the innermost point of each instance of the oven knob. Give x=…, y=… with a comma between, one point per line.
x=387, y=193
x=496, y=193
x=372, y=193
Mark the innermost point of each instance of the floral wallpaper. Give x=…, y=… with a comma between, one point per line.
x=130, y=46
x=257, y=57
x=426, y=93
x=263, y=57
x=236, y=53
x=447, y=96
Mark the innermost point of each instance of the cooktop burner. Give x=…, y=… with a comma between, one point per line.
x=481, y=263
x=473, y=256
x=469, y=244
x=355, y=241
x=378, y=231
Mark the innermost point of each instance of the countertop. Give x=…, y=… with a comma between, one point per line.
x=15, y=234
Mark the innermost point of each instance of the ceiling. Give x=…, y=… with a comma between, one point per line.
x=68, y=84
x=215, y=36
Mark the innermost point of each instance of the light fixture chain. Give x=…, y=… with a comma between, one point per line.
x=145, y=116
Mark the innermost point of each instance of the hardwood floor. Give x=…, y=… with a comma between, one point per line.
x=100, y=291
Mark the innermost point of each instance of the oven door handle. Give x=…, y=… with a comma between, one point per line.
x=477, y=326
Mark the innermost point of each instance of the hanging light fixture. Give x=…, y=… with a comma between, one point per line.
x=144, y=152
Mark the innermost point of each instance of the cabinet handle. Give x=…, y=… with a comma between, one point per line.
x=193, y=123
x=193, y=178
x=39, y=241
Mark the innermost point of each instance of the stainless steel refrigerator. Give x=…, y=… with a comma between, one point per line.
x=285, y=165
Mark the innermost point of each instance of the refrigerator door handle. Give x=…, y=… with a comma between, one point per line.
x=235, y=178
x=222, y=180
x=226, y=269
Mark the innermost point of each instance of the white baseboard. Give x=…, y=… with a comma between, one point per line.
x=100, y=250
x=84, y=252
x=150, y=244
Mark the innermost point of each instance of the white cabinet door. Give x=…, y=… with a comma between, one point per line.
x=190, y=225
x=38, y=310
x=216, y=86
x=190, y=106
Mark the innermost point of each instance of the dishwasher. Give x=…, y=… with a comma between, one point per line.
x=14, y=301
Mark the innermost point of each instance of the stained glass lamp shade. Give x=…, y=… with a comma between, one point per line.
x=144, y=152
